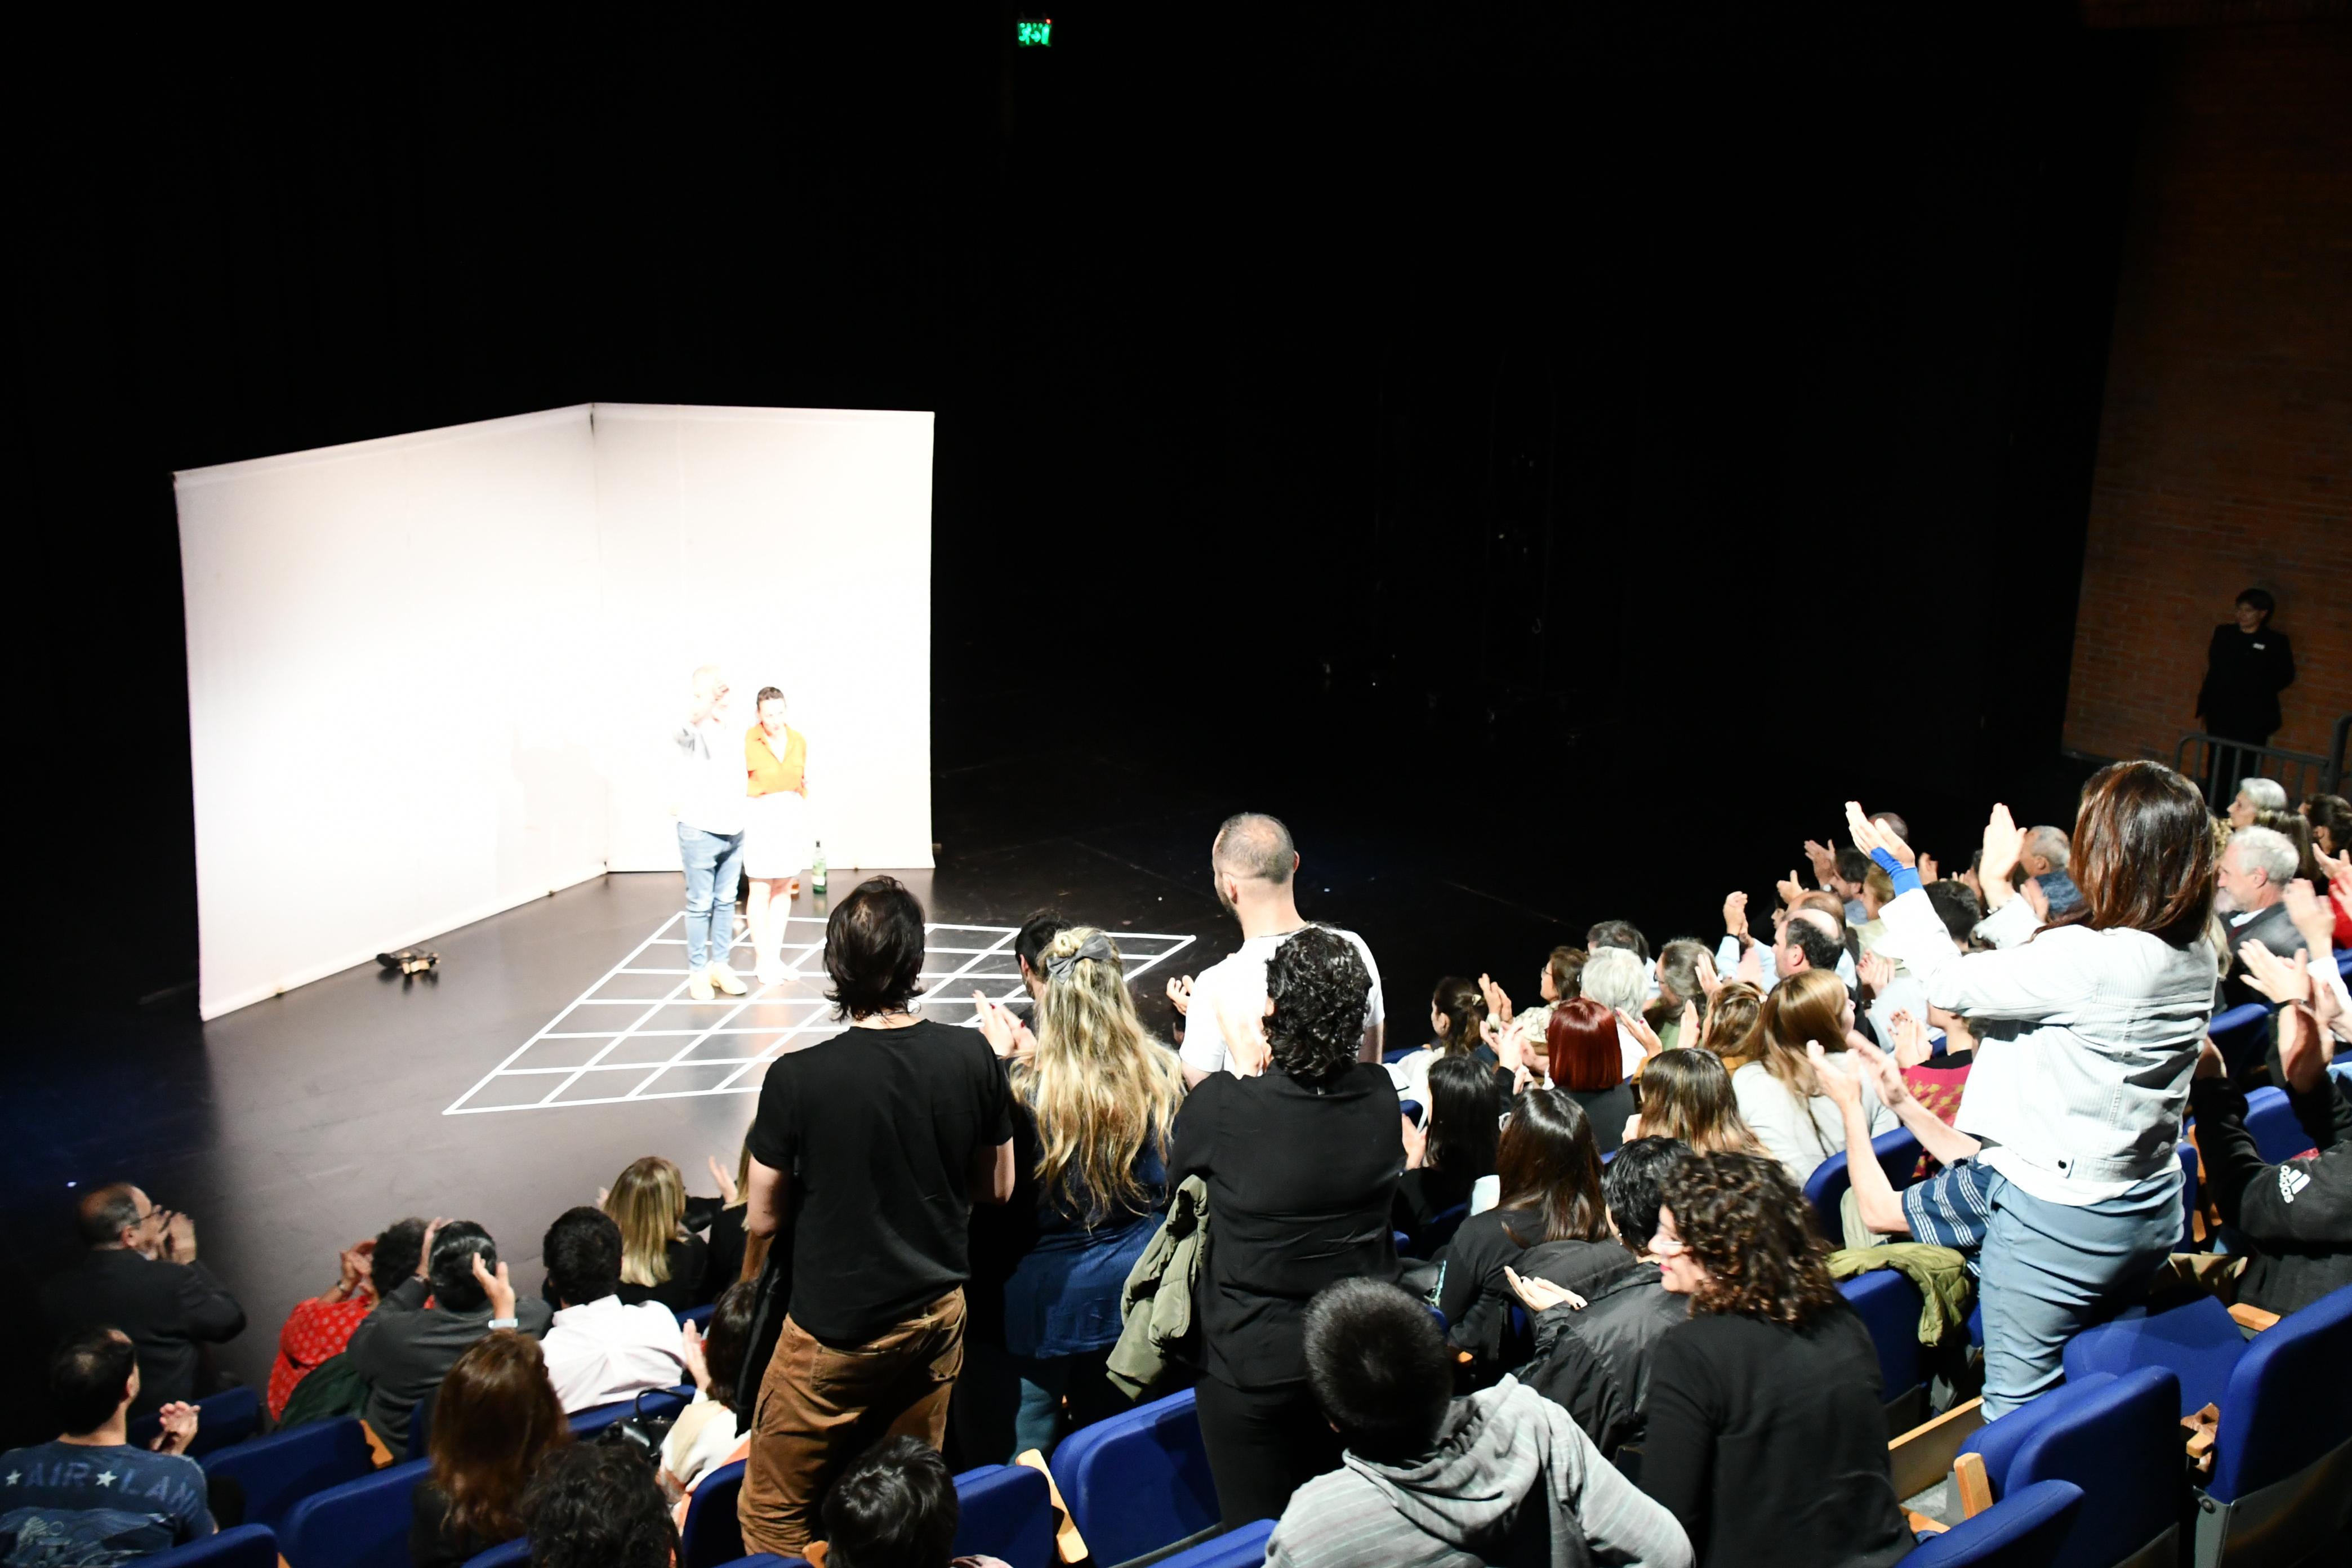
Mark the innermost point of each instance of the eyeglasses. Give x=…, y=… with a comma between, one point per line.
x=1665, y=1245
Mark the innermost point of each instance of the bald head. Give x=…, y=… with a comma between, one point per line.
x=1810, y=940
x=105, y=1213
x=1255, y=848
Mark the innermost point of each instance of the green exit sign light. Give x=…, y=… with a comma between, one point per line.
x=1033, y=35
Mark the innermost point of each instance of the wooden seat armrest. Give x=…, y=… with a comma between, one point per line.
x=1975, y=1486
x=1923, y=1455
x=2253, y=1318
x=1068, y=1544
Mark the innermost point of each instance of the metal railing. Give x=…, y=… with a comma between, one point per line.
x=2221, y=762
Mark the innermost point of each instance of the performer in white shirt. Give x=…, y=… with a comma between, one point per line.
x=711, y=806
x=1254, y=863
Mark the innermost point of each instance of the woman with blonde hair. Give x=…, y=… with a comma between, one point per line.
x=1773, y=1081
x=1687, y=1096
x=1098, y=1097
x=1730, y=1019
x=661, y=1260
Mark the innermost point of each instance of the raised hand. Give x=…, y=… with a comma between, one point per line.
x=690, y=1351
x=1843, y=1087
x=2313, y=920
x=1877, y=972
x=424, y=1248
x=1825, y=862
x=1912, y=1046
x=180, y=1237
x=179, y=1428
x=2302, y=1046
x=1735, y=916
x=1885, y=1075
x=1751, y=966
x=1007, y=1036
x=2004, y=841
x=1498, y=1001
x=498, y=1287
x=1868, y=836
x=2286, y=981
x=727, y=1195
x=1179, y=994
x=1636, y=1026
x=1709, y=982
x=1686, y=1027
x=2036, y=899
x=1789, y=889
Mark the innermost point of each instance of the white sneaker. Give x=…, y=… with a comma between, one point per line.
x=698, y=986
x=771, y=971
x=725, y=979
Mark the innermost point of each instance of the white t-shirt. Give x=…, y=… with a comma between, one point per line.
x=700, y=1441
x=1241, y=979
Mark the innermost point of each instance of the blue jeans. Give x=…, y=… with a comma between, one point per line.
x=714, y=862
x=2050, y=1270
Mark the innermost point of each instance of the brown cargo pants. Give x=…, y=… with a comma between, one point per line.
x=821, y=1405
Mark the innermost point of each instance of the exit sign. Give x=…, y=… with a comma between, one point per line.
x=1033, y=35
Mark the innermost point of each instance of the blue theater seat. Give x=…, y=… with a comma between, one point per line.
x=1888, y=1305
x=359, y=1524
x=281, y=1469
x=1007, y=1511
x=698, y=1316
x=2024, y=1530
x=2269, y=1121
x=1139, y=1482
x=229, y=1416
x=1243, y=1548
x=713, y=1532
x=1825, y=1189
x=2117, y=1438
x=247, y=1546
x=2241, y=1035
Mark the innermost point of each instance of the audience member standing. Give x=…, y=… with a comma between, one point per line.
x=494, y=1421
x=1766, y=1437
x=776, y=839
x=1300, y=1150
x=405, y=1348
x=1101, y=1096
x=1255, y=867
x=868, y=1151
x=712, y=807
x=2087, y=1034
x=140, y=1275
x=2247, y=665
x=89, y=1497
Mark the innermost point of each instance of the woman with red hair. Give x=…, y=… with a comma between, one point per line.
x=1587, y=1066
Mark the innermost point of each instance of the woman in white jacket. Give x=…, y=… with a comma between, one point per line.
x=2087, y=1038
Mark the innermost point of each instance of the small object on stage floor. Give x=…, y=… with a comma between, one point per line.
x=410, y=961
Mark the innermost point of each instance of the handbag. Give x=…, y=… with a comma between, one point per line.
x=639, y=1432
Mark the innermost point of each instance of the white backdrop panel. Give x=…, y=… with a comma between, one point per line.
x=390, y=735
x=793, y=547
x=430, y=677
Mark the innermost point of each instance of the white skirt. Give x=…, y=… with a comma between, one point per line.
x=776, y=836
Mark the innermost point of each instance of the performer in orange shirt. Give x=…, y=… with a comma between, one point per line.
x=776, y=840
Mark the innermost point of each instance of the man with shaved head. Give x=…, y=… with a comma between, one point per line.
x=712, y=807
x=140, y=1275
x=1254, y=867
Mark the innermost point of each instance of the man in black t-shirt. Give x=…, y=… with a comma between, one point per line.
x=2247, y=665
x=866, y=1155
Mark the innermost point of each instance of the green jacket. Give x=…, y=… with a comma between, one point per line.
x=1946, y=1291
x=1157, y=1301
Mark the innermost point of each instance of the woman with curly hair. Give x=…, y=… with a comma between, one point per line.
x=596, y=1506
x=495, y=1419
x=1300, y=1147
x=1766, y=1436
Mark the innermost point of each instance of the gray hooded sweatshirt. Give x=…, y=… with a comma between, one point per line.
x=1499, y=1451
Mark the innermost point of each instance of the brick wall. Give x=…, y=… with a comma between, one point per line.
x=2227, y=426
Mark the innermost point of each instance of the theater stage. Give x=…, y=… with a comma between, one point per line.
x=292, y=1128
